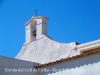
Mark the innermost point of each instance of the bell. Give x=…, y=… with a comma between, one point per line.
x=34, y=32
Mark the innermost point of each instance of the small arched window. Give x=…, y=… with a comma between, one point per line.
x=34, y=31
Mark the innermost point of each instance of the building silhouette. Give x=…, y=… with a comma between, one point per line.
x=40, y=55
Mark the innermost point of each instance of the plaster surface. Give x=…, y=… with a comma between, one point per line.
x=37, y=24
x=11, y=66
x=46, y=50
x=88, y=65
x=41, y=49
x=87, y=46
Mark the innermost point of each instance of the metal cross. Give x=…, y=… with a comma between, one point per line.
x=36, y=12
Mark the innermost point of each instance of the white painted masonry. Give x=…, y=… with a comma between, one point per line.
x=11, y=66
x=41, y=49
x=41, y=28
x=88, y=65
x=46, y=50
x=88, y=46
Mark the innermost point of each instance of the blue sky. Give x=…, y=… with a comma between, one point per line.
x=69, y=21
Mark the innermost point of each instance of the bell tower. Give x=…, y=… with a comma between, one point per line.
x=36, y=27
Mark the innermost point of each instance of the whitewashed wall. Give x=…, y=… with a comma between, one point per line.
x=89, y=65
x=21, y=67
x=46, y=50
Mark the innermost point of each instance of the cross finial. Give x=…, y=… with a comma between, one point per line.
x=36, y=12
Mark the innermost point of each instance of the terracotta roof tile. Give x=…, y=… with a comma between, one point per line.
x=92, y=51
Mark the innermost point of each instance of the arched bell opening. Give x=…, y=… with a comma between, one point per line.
x=36, y=28
x=34, y=32
x=33, y=27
